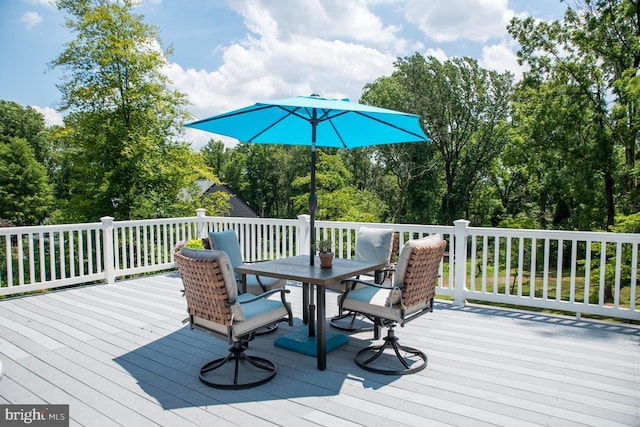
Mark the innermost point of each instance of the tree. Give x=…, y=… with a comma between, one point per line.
x=338, y=198
x=463, y=109
x=25, y=193
x=404, y=164
x=215, y=156
x=26, y=123
x=123, y=120
x=588, y=60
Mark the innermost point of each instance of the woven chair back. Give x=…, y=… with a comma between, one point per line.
x=204, y=289
x=421, y=275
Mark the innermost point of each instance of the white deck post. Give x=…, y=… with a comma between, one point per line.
x=200, y=213
x=304, y=234
x=460, y=263
x=109, y=255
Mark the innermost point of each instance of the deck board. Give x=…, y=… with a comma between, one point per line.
x=119, y=355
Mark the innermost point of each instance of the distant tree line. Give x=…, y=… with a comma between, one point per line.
x=557, y=149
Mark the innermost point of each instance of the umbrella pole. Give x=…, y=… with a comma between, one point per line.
x=313, y=204
x=313, y=199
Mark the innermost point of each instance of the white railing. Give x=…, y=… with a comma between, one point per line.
x=581, y=272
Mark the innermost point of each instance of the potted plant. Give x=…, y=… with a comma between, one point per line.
x=325, y=252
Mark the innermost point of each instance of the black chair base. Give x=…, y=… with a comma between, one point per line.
x=366, y=357
x=237, y=357
x=267, y=329
x=351, y=322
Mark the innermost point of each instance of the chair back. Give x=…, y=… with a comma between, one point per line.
x=418, y=267
x=374, y=244
x=227, y=241
x=209, y=285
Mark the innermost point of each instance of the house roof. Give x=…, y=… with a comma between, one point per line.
x=239, y=207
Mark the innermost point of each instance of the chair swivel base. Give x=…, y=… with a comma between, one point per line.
x=366, y=357
x=350, y=322
x=267, y=329
x=237, y=357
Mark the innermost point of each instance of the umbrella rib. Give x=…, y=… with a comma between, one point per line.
x=271, y=125
x=337, y=133
x=231, y=114
x=390, y=125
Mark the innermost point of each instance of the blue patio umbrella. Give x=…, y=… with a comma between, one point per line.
x=317, y=122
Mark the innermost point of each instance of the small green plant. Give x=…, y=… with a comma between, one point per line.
x=191, y=244
x=195, y=244
x=324, y=246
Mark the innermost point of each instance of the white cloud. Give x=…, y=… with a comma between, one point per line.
x=275, y=63
x=51, y=116
x=31, y=19
x=439, y=54
x=328, y=19
x=50, y=3
x=453, y=20
x=501, y=58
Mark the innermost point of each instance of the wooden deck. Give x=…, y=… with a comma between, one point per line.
x=119, y=355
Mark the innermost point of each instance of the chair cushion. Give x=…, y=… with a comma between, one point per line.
x=259, y=313
x=372, y=301
x=374, y=244
x=228, y=275
x=375, y=302
x=227, y=241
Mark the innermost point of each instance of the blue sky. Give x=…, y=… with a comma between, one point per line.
x=228, y=54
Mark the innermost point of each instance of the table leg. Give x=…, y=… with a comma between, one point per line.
x=305, y=303
x=243, y=283
x=321, y=339
x=312, y=312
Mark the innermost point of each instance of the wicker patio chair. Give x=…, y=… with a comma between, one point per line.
x=215, y=307
x=410, y=297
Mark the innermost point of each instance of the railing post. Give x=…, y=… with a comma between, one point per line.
x=460, y=261
x=200, y=213
x=304, y=234
x=109, y=261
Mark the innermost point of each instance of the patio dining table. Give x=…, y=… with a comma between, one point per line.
x=297, y=268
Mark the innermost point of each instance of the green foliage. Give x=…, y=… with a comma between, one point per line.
x=195, y=244
x=25, y=193
x=586, y=151
x=26, y=123
x=324, y=246
x=120, y=147
x=338, y=199
x=465, y=136
x=521, y=221
x=627, y=223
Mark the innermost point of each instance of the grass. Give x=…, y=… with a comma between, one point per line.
x=525, y=289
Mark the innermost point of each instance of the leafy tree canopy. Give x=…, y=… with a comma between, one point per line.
x=124, y=123
x=25, y=194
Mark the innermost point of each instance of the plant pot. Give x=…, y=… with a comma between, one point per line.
x=326, y=259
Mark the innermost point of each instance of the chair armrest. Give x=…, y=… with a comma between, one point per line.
x=355, y=282
x=282, y=291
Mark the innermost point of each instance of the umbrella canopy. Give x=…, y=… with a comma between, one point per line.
x=315, y=121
